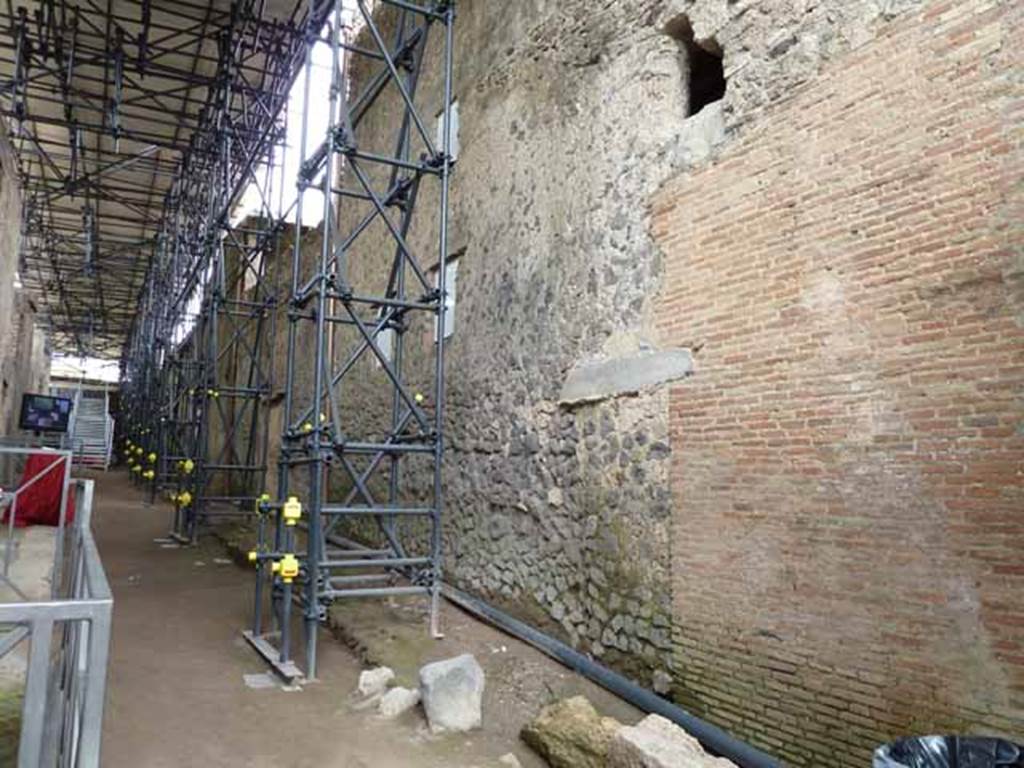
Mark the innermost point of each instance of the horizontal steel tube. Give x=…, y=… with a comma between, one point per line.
x=397, y=562
x=358, y=552
x=374, y=592
x=365, y=577
x=54, y=610
x=238, y=467
x=384, y=447
x=328, y=510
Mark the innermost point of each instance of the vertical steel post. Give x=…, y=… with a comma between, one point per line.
x=337, y=445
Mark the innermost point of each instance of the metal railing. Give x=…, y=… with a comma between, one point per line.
x=109, y=442
x=69, y=641
x=9, y=503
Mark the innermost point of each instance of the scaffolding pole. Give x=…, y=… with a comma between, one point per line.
x=358, y=507
x=197, y=374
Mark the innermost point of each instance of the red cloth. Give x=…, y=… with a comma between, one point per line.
x=39, y=504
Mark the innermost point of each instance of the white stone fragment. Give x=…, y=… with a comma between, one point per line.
x=375, y=681
x=259, y=681
x=398, y=701
x=452, y=694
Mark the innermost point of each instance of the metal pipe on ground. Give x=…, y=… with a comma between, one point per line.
x=711, y=736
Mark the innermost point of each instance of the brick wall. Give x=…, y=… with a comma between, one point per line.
x=10, y=239
x=24, y=355
x=848, y=461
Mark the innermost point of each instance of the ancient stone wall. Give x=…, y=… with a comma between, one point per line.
x=25, y=365
x=10, y=238
x=572, y=114
x=799, y=539
x=24, y=355
x=847, y=458
x=559, y=511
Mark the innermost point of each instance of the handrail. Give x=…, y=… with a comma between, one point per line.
x=65, y=687
x=109, y=448
x=64, y=459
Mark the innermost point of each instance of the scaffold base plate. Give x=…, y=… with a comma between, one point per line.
x=286, y=670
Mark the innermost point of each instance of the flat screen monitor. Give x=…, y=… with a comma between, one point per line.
x=43, y=413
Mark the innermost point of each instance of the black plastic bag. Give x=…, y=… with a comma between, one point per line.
x=949, y=752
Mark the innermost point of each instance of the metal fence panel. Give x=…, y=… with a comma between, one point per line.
x=69, y=636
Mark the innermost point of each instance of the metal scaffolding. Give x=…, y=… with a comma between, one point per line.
x=213, y=430
x=369, y=478
x=139, y=130
x=111, y=109
x=138, y=126
x=198, y=374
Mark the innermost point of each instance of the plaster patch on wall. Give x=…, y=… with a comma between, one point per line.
x=624, y=375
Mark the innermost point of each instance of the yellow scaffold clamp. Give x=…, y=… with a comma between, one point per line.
x=149, y=474
x=137, y=468
x=292, y=510
x=253, y=556
x=184, y=498
x=264, y=498
x=187, y=466
x=287, y=568
x=152, y=458
x=213, y=393
x=307, y=427
x=419, y=398
x=138, y=450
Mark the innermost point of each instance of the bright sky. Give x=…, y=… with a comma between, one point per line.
x=69, y=367
x=317, y=115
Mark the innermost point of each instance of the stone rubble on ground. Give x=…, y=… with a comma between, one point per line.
x=656, y=742
x=571, y=734
x=375, y=681
x=452, y=693
x=398, y=701
x=662, y=682
x=509, y=761
x=259, y=681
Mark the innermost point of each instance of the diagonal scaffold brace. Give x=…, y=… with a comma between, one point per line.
x=358, y=506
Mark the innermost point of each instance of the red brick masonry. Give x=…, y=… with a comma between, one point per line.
x=848, y=543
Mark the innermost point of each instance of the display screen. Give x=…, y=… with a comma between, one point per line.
x=42, y=413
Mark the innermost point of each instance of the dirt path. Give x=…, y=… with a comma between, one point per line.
x=176, y=690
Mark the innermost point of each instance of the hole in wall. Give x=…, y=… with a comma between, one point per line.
x=701, y=62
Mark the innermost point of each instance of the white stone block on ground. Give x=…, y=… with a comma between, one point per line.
x=656, y=742
x=452, y=693
x=398, y=701
x=375, y=681
x=260, y=680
